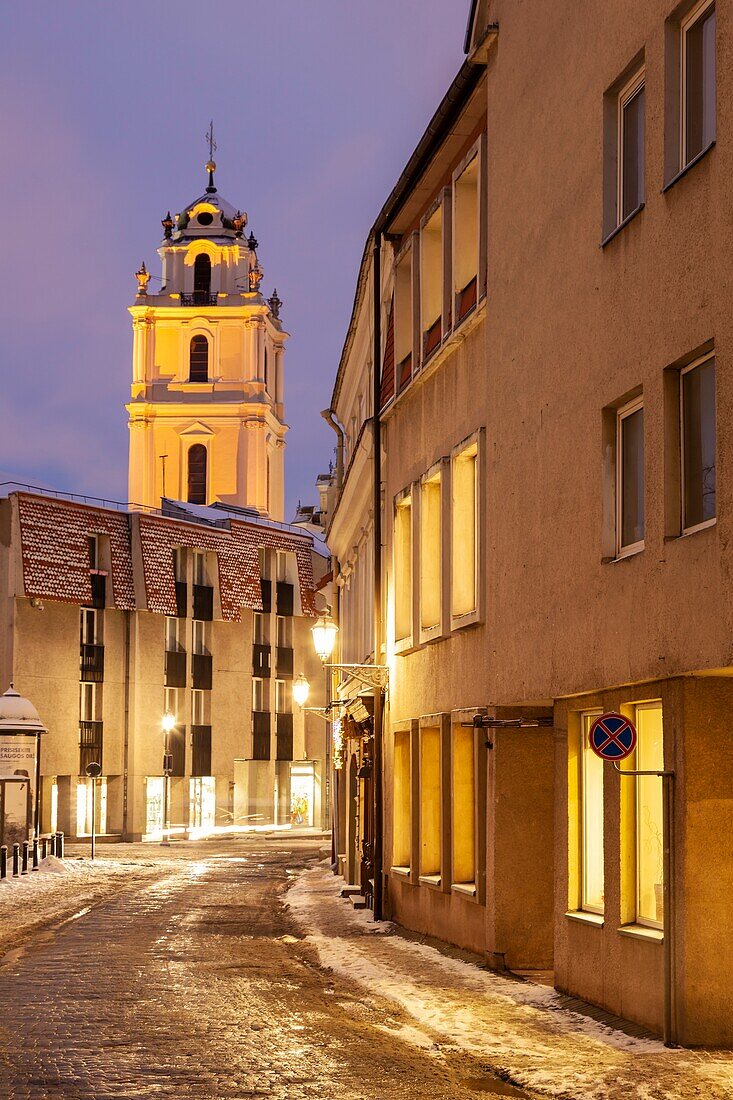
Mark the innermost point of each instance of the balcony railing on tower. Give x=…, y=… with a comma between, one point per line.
x=199, y=298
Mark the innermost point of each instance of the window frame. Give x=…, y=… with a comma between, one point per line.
x=696, y=12
x=404, y=500
x=587, y=717
x=436, y=474
x=467, y=618
x=622, y=413
x=687, y=370
x=631, y=88
x=648, y=704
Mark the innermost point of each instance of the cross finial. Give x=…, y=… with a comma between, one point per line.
x=210, y=140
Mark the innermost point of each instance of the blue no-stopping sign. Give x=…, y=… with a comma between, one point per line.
x=612, y=736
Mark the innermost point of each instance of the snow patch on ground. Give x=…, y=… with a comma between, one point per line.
x=519, y=1028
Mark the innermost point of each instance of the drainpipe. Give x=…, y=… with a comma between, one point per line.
x=330, y=417
x=377, y=555
x=126, y=749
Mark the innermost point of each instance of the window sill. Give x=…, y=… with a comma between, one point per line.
x=466, y=889
x=458, y=622
x=404, y=645
x=402, y=872
x=433, y=881
x=622, y=225
x=596, y=920
x=624, y=555
x=698, y=527
x=641, y=932
x=690, y=164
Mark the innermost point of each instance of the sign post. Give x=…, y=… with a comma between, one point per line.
x=94, y=770
x=613, y=737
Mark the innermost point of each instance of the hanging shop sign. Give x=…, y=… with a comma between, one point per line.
x=612, y=736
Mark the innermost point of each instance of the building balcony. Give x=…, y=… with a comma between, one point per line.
x=181, y=599
x=284, y=663
x=261, y=660
x=201, y=750
x=285, y=598
x=199, y=298
x=202, y=671
x=175, y=668
x=284, y=729
x=203, y=602
x=260, y=735
x=90, y=745
x=92, y=663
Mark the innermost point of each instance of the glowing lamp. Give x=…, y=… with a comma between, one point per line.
x=324, y=636
x=168, y=722
x=301, y=690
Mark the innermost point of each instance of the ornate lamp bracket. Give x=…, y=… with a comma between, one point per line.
x=374, y=676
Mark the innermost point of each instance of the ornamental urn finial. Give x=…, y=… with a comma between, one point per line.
x=252, y=242
x=167, y=223
x=275, y=304
x=239, y=221
x=143, y=278
x=255, y=278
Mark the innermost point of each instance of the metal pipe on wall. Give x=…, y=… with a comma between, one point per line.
x=377, y=563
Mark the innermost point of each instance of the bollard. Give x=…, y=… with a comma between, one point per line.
x=16, y=860
x=44, y=847
x=34, y=864
x=4, y=861
x=24, y=858
x=60, y=845
x=53, y=844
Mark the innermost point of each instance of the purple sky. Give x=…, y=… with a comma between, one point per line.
x=316, y=108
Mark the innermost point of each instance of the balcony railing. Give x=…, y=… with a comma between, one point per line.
x=266, y=590
x=202, y=671
x=260, y=660
x=99, y=590
x=284, y=663
x=284, y=727
x=92, y=663
x=175, y=668
x=203, y=602
x=90, y=744
x=201, y=758
x=199, y=298
x=284, y=598
x=181, y=599
x=260, y=735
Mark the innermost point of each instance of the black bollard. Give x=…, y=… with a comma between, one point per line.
x=60, y=845
x=16, y=860
x=24, y=858
x=4, y=861
x=34, y=864
x=44, y=847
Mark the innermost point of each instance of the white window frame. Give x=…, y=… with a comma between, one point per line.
x=622, y=414
x=643, y=922
x=686, y=23
x=436, y=473
x=708, y=522
x=404, y=499
x=582, y=904
x=475, y=440
x=89, y=688
x=90, y=615
x=630, y=89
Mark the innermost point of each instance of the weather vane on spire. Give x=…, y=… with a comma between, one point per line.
x=211, y=163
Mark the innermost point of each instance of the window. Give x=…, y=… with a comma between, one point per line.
x=260, y=698
x=88, y=700
x=285, y=631
x=466, y=239
x=89, y=623
x=283, y=696
x=649, y=756
x=173, y=704
x=198, y=707
x=179, y=564
x=591, y=821
x=403, y=333
x=463, y=805
x=261, y=628
x=402, y=801
x=202, y=278
x=200, y=572
x=198, y=360
x=93, y=544
x=430, y=803
x=697, y=100
x=697, y=433
x=174, y=634
x=403, y=568
x=197, y=474
x=630, y=478
x=199, y=636
x=630, y=156
x=282, y=565
x=431, y=282
x=464, y=532
x=430, y=553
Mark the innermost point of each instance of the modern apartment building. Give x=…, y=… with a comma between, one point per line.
x=554, y=415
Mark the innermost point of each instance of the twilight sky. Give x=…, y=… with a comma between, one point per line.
x=316, y=106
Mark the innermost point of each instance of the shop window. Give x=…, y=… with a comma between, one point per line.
x=154, y=796
x=697, y=434
x=464, y=532
x=466, y=239
x=403, y=568
x=202, y=803
x=463, y=804
x=649, y=837
x=430, y=553
x=630, y=478
x=591, y=821
x=88, y=790
x=402, y=812
x=302, y=794
x=431, y=282
x=430, y=803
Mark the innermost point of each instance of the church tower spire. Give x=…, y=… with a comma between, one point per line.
x=206, y=414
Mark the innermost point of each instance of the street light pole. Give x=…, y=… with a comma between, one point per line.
x=168, y=722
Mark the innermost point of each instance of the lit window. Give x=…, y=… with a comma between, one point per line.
x=464, y=532
x=430, y=803
x=430, y=553
x=431, y=282
x=649, y=756
x=630, y=157
x=591, y=821
x=463, y=805
x=466, y=239
x=697, y=431
x=630, y=478
x=698, y=82
x=403, y=568
x=402, y=826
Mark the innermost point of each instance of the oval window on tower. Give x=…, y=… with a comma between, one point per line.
x=197, y=474
x=201, y=279
x=198, y=360
x=205, y=218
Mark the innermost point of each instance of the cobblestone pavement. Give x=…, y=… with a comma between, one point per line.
x=193, y=982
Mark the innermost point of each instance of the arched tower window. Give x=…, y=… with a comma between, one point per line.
x=198, y=360
x=201, y=279
x=197, y=474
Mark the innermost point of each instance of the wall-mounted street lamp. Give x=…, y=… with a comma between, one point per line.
x=324, y=639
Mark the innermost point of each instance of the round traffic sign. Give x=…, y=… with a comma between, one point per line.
x=612, y=736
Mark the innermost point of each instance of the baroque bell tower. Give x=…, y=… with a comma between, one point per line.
x=206, y=414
